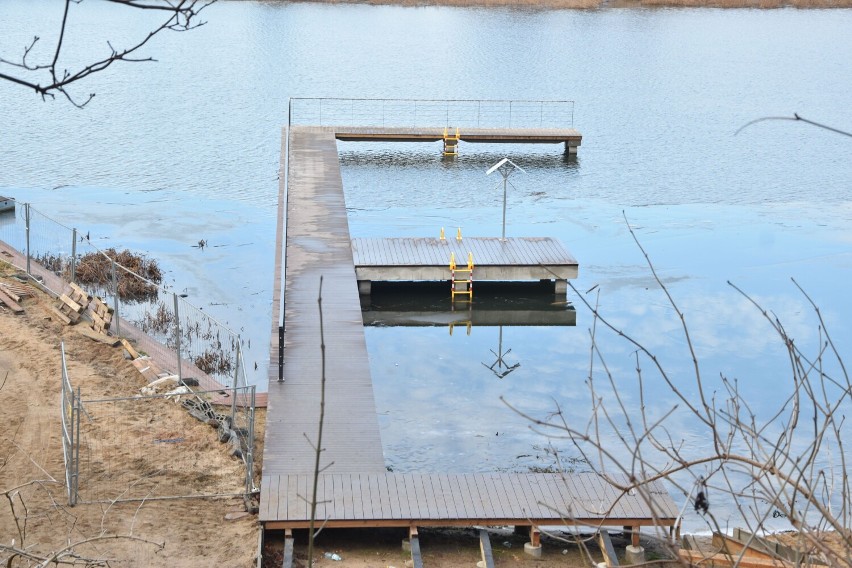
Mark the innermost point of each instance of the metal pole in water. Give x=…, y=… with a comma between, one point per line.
x=115, y=300
x=177, y=338
x=236, y=381
x=73, y=255
x=27, y=218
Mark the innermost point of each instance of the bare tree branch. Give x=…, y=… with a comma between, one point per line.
x=782, y=457
x=50, y=79
x=794, y=118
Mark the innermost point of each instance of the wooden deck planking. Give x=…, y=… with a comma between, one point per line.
x=448, y=506
x=410, y=494
x=400, y=499
x=382, y=495
x=525, y=496
x=515, y=509
x=460, y=482
x=477, y=484
x=428, y=251
x=539, y=499
x=366, y=497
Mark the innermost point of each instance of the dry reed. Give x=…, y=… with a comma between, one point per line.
x=96, y=269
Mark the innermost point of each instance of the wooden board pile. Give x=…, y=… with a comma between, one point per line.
x=11, y=296
x=74, y=301
x=71, y=304
x=101, y=315
x=745, y=550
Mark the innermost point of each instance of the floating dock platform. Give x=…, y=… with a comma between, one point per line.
x=516, y=259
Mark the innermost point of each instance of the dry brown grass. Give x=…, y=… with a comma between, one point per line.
x=96, y=269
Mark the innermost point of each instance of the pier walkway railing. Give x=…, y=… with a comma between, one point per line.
x=431, y=113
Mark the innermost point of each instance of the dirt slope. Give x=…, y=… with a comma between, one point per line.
x=187, y=532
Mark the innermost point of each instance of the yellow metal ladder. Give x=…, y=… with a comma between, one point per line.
x=461, y=285
x=451, y=142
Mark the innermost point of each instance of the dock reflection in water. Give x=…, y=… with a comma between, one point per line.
x=429, y=305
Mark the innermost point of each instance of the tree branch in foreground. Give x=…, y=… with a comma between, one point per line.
x=51, y=78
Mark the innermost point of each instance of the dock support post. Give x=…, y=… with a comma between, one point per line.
x=533, y=547
x=608, y=550
x=287, y=562
x=634, y=554
x=570, y=149
x=365, y=287
x=560, y=287
x=412, y=545
x=485, y=548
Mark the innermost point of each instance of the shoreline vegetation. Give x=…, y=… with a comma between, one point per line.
x=598, y=4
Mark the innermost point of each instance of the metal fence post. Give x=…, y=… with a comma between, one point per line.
x=115, y=300
x=250, y=446
x=27, y=219
x=73, y=255
x=75, y=448
x=177, y=338
x=236, y=382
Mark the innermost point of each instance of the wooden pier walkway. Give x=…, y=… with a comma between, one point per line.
x=317, y=245
x=355, y=489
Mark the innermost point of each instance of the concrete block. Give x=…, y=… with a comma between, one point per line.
x=534, y=551
x=634, y=555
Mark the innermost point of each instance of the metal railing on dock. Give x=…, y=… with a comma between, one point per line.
x=431, y=113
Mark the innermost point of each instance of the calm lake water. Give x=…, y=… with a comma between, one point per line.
x=188, y=148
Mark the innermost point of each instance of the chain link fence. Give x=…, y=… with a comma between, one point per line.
x=179, y=337
x=431, y=113
x=145, y=447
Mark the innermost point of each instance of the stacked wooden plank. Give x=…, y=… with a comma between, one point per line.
x=71, y=304
x=16, y=291
x=10, y=298
x=744, y=550
x=101, y=315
